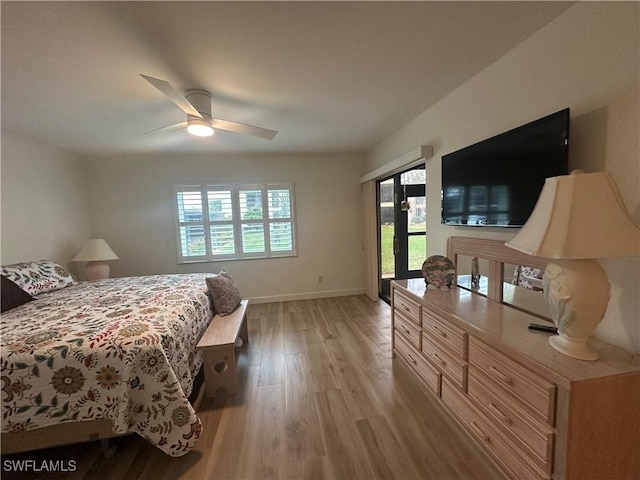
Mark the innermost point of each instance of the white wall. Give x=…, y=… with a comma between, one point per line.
x=45, y=213
x=132, y=209
x=586, y=59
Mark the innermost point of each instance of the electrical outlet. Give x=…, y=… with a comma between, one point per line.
x=320, y=279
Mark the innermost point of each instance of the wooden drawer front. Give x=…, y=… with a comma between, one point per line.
x=444, y=361
x=429, y=375
x=515, y=379
x=536, y=437
x=407, y=329
x=406, y=306
x=487, y=435
x=442, y=332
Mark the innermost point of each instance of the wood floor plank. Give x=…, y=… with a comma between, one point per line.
x=444, y=449
x=271, y=337
x=323, y=321
x=263, y=450
x=222, y=457
x=302, y=427
x=321, y=373
x=386, y=455
x=402, y=407
x=361, y=402
x=362, y=351
x=306, y=313
x=293, y=324
x=339, y=435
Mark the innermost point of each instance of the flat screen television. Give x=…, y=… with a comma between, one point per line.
x=497, y=181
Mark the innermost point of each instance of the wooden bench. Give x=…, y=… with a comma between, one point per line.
x=218, y=348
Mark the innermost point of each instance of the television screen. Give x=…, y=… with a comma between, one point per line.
x=497, y=182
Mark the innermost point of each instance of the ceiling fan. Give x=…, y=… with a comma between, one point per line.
x=197, y=105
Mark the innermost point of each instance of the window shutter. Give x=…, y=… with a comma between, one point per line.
x=216, y=222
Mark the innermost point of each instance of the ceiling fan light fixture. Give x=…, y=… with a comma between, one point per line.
x=197, y=106
x=199, y=127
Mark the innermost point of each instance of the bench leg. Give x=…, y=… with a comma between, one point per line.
x=220, y=370
x=108, y=448
x=244, y=333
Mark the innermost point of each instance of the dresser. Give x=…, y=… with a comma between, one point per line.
x=536, y=412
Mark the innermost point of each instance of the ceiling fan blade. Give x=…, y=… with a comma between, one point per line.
x=173, y=126
x=173, y=95
x=243, y=128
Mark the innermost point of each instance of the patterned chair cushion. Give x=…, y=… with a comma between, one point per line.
x=38, y=277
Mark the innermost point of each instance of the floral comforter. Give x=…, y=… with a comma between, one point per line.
x=121, y=349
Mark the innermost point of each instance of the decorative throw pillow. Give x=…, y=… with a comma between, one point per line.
x=12, y=295
x=38, y=277
x=224, y=293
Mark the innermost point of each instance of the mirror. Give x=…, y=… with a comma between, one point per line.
x=472, y=274
x=522, y=289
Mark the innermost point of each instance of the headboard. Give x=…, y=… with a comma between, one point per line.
x=496, y=254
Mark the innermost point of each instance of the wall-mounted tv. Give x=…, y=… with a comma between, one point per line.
x=497, y=181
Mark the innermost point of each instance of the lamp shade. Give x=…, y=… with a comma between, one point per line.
x=94, y=250
x=579, y=216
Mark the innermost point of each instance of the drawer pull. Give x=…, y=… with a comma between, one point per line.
x=440, y=332
x=479, y=431
x=500, y=376
x=407, y=331
x=442, y=362
x=503, y=417
x=411, y=358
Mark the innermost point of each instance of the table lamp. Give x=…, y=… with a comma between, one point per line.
x=578, y=218
x=96, y=252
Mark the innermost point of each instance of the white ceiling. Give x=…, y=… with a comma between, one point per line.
x=329, y=76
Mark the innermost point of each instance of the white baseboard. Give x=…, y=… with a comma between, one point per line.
x=307, y=295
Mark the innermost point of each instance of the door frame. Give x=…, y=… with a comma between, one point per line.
x=400, y=245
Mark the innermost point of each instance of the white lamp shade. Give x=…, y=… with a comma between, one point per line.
x=579, y=216
x=95, y=249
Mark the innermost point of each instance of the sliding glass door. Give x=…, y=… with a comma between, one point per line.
x=402, y=228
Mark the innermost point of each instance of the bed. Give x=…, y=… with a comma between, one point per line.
x=116, y=354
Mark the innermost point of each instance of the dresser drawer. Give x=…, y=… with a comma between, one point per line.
x=444, y=361
x=407, y=329
x=409, y=308
x=426, y=373
x=508, y=414
x=515, y=379
x=441, y=332
x=487, y=435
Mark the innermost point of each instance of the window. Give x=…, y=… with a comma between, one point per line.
x=221, y=222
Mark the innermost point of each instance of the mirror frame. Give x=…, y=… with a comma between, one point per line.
x=497, y=253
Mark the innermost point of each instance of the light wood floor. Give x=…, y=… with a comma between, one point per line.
x=320, y=397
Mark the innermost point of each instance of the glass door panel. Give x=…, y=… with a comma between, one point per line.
x=386, y=193
x=417, y=249
x=402, y=228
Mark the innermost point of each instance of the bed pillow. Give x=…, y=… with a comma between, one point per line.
x=12, y=295
x=38, y=277
x=224, y=293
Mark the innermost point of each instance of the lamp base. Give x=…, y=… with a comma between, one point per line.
x=96, y=270
x=577, y=292
x=574, y=349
